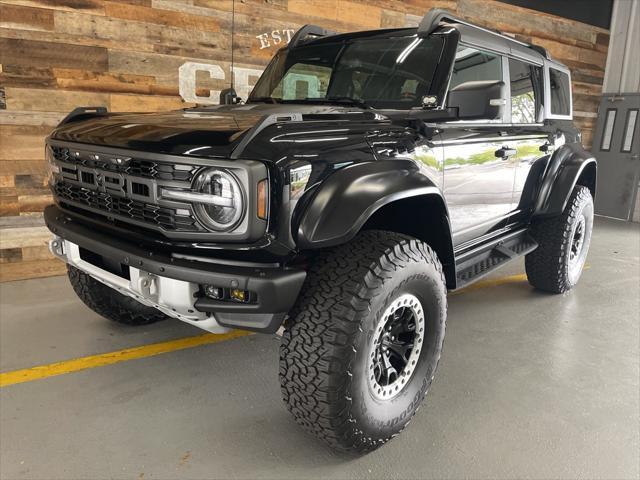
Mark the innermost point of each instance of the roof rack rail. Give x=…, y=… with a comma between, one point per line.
x=436, y=16
x=541, y=50
x=309, y=32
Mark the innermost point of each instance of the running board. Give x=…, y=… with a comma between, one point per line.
x=480, y=261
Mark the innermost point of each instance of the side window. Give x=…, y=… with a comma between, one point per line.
x=560, y=92
x=473, y=65
x=524, y=81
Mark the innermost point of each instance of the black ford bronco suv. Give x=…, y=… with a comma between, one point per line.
x=366, y=174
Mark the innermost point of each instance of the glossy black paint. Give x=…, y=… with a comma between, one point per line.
x=199, y=133
x=362, y=161
x=346, y=200
x=569, y=165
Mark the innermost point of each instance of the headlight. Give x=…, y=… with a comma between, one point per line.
x=228, y=205
x=52, y=167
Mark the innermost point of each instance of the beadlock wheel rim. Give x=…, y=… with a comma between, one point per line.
x=395, y=347
x=577, y=242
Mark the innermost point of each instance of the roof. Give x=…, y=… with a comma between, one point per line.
x=470, y=33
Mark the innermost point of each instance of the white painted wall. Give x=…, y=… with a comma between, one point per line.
x=622, y=72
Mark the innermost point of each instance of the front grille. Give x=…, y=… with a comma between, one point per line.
x=123, y=187
x=133, y=166
x=154, y=215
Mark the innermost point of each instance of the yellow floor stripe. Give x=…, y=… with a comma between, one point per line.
x=495, y=282
x=93, y=361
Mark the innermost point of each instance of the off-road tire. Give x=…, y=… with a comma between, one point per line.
x=548, y=267
x=110, y=304
x=327, y=339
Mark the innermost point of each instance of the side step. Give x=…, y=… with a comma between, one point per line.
x=480, y=261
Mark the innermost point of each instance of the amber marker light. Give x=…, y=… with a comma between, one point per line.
x=263, y=199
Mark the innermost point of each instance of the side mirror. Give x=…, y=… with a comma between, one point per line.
x=479, y=100
x=228, y=96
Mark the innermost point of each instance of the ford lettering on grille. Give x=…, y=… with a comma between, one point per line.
x=113, y=183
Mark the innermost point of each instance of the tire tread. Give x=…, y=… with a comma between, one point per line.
x=318, y=344
x=546, y=266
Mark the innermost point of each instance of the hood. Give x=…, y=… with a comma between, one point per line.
x=203, y=132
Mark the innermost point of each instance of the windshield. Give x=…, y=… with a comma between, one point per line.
x=391, y=73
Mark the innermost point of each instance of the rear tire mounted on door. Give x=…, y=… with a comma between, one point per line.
x=362, y=344
x=556, y=265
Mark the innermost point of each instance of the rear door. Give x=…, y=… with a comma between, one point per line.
x=478, y=181
x=527, y=135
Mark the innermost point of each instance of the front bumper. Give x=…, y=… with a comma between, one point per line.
x=171, y=284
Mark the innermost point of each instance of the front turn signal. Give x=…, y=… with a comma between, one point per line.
x=263, y=199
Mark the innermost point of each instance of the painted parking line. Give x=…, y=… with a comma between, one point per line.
x=494, y=282
x=83, y=363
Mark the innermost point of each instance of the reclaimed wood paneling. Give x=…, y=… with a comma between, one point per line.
x=125, y=55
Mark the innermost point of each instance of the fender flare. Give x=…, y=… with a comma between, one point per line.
x=345, y=201
x=565, y=168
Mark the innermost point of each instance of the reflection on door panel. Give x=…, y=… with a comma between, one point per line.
x=478, y=176
x=478, y=187
x=528, y=153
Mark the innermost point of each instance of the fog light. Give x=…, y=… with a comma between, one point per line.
x=239, y=295
x=213, y=292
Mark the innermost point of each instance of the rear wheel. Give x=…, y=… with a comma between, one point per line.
x=557, y=264
x=362, y=345
x=110, y=304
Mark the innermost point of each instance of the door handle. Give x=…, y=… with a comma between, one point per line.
x=505, y=152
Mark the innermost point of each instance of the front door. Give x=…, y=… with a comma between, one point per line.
x=478, y=179
x=616, y=146
x=478, y=172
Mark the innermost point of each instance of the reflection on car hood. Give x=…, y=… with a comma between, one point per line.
x=204, y=132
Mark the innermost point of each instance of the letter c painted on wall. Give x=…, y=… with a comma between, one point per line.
x=187, y=82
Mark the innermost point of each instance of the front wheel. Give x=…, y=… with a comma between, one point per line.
x=563, y=243
x=362, y=344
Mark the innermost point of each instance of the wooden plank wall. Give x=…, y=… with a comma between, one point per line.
x=125, y=54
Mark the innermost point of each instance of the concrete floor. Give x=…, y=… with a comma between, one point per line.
x=530, y=385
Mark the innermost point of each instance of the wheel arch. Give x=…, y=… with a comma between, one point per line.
x=569, y=166
x=588, y=177
x=382, y=195
x=433, y=229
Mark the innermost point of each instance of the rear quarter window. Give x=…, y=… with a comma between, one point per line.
x=559, y=93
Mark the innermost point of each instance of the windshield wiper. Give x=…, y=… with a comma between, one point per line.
x=331, y=100
x=348, y=100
